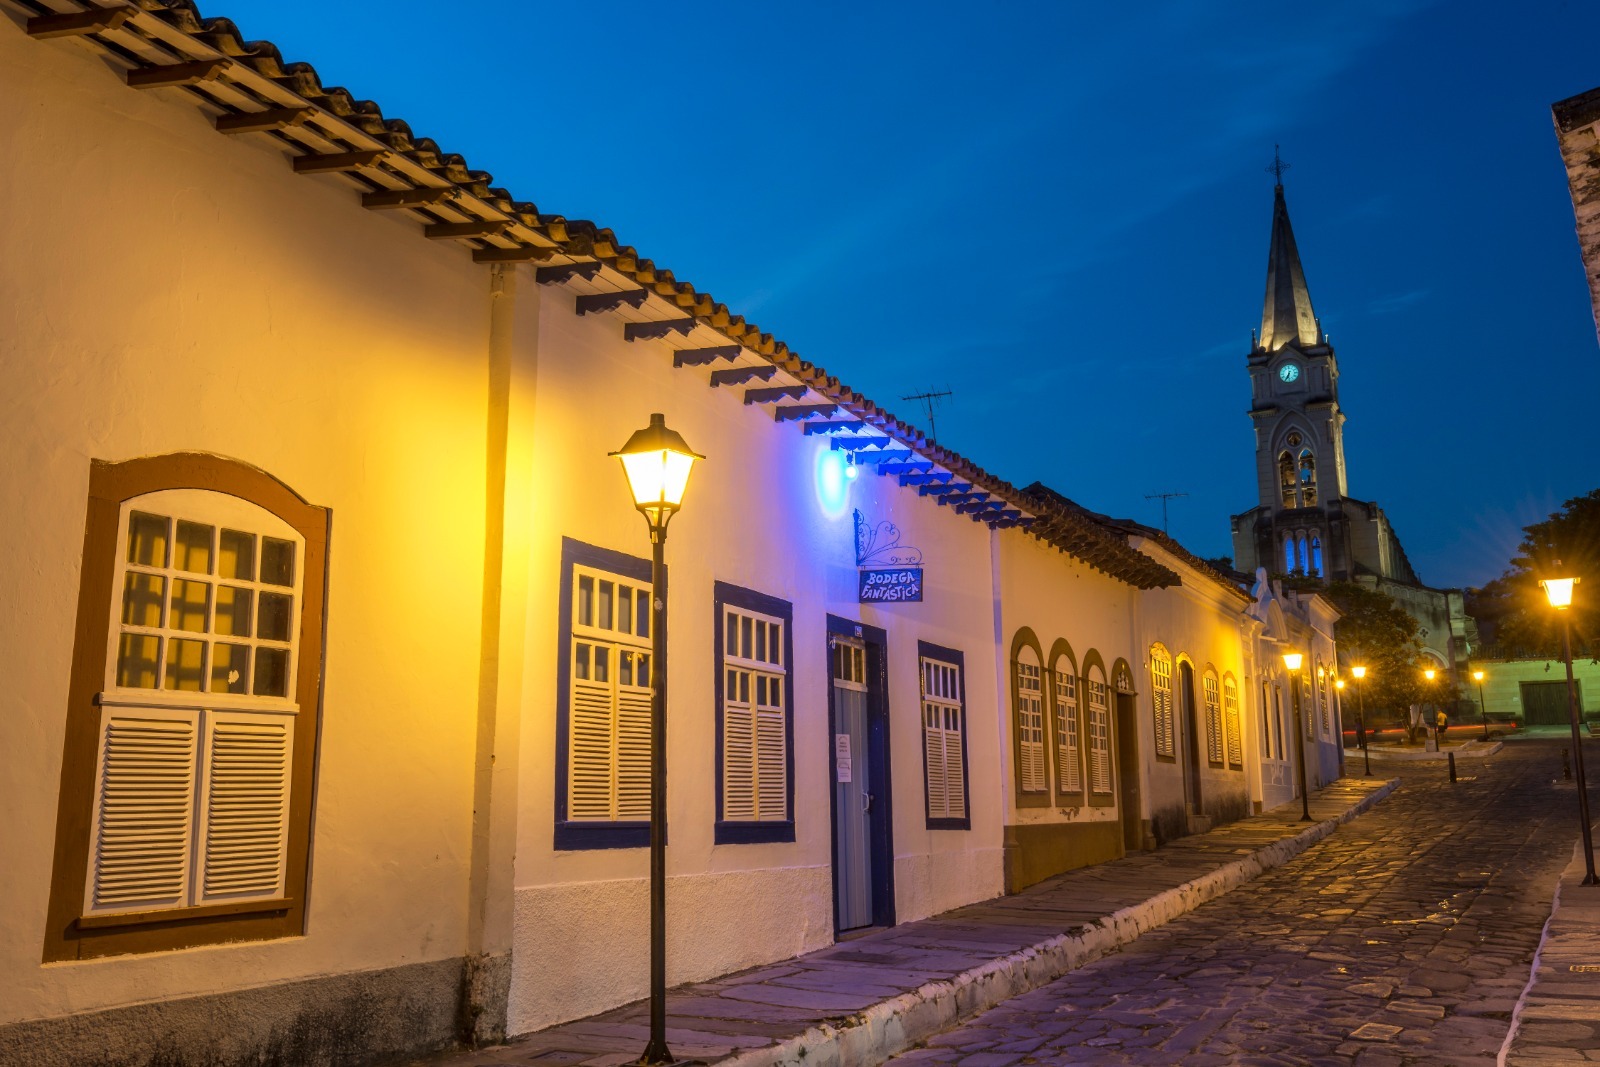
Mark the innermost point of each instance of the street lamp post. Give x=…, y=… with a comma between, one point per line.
x=1483, y=709
x=1559, y=592
x=1292, y=661
x=657, y=462
x=1358, y=673
x=1438, y=737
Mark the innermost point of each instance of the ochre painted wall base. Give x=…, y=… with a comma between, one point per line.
x=1034, y=852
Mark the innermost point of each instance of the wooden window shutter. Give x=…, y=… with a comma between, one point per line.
x=633, y=753
x=1230, y=707
x=1161, y=693
x=942, y=740
x=738, y=748
x=590, y=741
x=933, y=757
x=1099, y=738
x=772, y=758
x=1031, y=776
x=1214, y=740
x=144, y=810
x=955, y=766
x=1069, y=776
x=245, y=809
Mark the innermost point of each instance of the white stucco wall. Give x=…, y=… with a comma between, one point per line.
x=169, y=288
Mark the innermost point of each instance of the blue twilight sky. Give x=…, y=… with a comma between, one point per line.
x=1059, y=211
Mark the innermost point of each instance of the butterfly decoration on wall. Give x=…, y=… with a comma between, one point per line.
x=879, y=546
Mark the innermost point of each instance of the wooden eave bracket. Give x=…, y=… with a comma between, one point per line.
x=337, y=162
x=741, y=375
x=273, y=118
x=562, y=272
x=519, y=254
x=774, y=393
x=422, y=196
x=175, y=74
x=445, y=231
x=699, y=357
x=649, y=331
x=596, y=302
x=799, y=412
x=78, y=23
x=834, y=427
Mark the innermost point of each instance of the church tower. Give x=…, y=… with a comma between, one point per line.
x=1298, y=524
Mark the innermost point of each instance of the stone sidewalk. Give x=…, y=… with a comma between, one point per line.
x=1558, y=1018
x=860, y=1001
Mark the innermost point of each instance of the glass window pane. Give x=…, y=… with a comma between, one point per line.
x=143, y=599
x=625, y=668
x=191, y=602
x=192, y=547
x=585, y=601
x=186, y=662
x=233, y=610
x=602, y=663
x=272, y=672
x=744, y=636
x=744, y=687
x=641, y=612
x=760, y=651
x=147, y=539
x=237, y=555
x=581, y=660
x=624, y=609
x=642, y=675
x=606, y=593
x=772, y=645
x=230, y=668
x=273, y=624
x=277, y=561
x=137, y=655
x=730, y=641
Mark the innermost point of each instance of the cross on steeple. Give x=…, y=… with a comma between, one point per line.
x=1278, y=166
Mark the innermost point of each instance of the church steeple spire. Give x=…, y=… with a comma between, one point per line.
x=1286, y=316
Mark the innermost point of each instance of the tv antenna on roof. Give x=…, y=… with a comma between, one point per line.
x=929, y=401
x=1278, y=166
x=1164, y=497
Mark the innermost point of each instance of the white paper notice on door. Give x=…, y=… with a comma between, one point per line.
x=841, y=758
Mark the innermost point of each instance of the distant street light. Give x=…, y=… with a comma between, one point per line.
x=1292, y=661
x=1438, y=706
x=1483, y=709
x=657, y=462
x=1559, y=592
x=1359, y=672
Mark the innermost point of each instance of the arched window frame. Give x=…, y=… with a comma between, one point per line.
x=1287, y=484
x=1030, y=734
x=205, y=915
x=1161, y=669
x=1306, y=477
x=1232, y=722
x=1211, y=690
x=1099, y=741
x=1066, y=724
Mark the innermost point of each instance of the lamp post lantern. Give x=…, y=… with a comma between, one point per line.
x=1483, y=709
x=1292, y=661
x=1359, y=672
x=1559, y=593
x=1438, y=734
x=657, y=461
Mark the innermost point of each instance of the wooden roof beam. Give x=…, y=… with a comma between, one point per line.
x=519, y=254
x=273, y=118
x=597, y=302
x=740, y=375
x=774, y=393
x=650, y=331
x=944, y=490
x=799, y=412
x=422, y=196
x=167, y=75
x=339, y=162
x=699, y=357
x=850, y=426
x=449, y=231
x=79, y=23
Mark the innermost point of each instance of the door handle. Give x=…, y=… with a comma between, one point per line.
x=868, y=798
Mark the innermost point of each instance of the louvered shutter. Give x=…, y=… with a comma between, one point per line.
x=772, y=763
x=1068, y=774
x=1230, y=711
x=738, y=749
x=633, y=753
x=245, y=806
x=955, y=772
x=1161, y=692
x=144, y=810
x=933, y=758
x=590, y=744
x=1214, y=751
x=1099, y=738
x=1030, y=730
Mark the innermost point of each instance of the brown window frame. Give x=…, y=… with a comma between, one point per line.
x=69, y=933
x=1040, y=798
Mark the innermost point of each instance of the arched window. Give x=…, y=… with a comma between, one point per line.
x=1316, y=554
x=1308, y=479
x=1302, y=553
x=1322, y=702
x=1069, y=766
x=1099, y=701
x=188, y=794
x=1213, y=699
x=1230, y=722
x=1161, y=698
x=1288, y=553
x=1286, y=479
x=1030, y=723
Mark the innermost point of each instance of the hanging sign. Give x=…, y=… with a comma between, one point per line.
x=888, y=572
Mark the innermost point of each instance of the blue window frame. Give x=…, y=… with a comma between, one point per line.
x=753, y=654
x=603, y=682
x=943, y=676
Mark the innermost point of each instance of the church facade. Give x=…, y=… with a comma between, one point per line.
x=1305, y=521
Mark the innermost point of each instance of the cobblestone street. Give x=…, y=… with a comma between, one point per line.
x=1405, y=938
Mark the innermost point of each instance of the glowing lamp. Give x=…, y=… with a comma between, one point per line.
x=1292, y=660
x=1358, y=672
x=1429, y=673
x=1477, y=676
x=1338, y=683
x=657, y=461
x=1559, y=590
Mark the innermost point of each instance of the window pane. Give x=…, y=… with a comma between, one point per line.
x=190, y=603
x=136, y=661
x=142, y=599
x=585, y=601
x=606, y=593
x=602, y=663
x=192, y=549
x=185, y=664
x=624, y=609
x=277, y=561
x=147, y=539
x=273, y=624
x=643, y=674
x=272, y=672
x=744, y=687
x=237, y=555
x=642, y=612
x=730, y=644
x=760, y=651
x=230, y=668
x=744, y=636
x=625, y=669
x=581, y=660
x=233, y=610
x=772, y=650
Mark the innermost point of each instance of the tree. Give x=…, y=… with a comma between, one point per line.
x=1377, y=633
x=1513, y=609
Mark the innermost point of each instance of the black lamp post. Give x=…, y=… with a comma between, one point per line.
x=1483, y=709
x=1438, y=706
x=1559, y=592
x=1358, y=673
x=1292, y=660
x=657, y=461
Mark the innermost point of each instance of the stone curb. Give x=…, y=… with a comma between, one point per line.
x=1536, y=1005
x=892, y=1026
